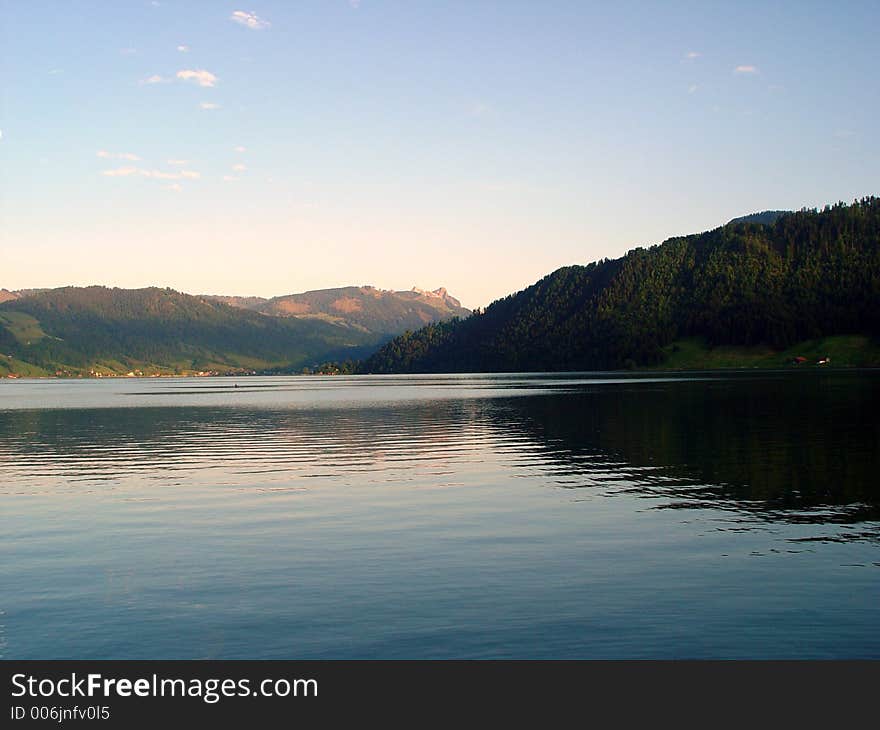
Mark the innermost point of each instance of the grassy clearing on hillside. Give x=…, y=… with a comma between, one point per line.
x=844, y=351
x=23, y=327
x=14, y=366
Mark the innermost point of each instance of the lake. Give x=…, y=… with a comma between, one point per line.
x=486, y=516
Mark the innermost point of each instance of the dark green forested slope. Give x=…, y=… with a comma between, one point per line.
x=808, y=275
x=79, y=330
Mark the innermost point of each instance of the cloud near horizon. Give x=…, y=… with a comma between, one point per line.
x=198, y=76
x=153, y=174
x=249, y=20
x=746, y=70
x=209, y=105
x=162, y=175
x=121, y=172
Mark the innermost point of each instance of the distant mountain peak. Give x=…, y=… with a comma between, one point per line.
x=365, y=307
x=441, y=292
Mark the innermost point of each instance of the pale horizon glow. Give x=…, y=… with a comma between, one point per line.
x=476, y=146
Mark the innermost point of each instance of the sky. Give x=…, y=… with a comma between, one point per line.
x=271, y=146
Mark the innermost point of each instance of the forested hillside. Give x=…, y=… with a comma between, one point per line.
x=96, y=330
x=807, y=275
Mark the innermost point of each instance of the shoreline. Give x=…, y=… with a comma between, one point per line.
x=615, y=373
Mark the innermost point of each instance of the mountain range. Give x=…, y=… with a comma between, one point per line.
x=764, y=290
x=104, y=331
x=373, y=310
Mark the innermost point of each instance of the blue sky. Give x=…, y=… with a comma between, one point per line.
x=272, y=147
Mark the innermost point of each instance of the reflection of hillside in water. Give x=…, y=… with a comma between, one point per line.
x=802, y=449
x=794, y=449
x=41, y=449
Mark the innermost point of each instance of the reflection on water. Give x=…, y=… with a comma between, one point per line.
x=512, y=516
x=796, y=449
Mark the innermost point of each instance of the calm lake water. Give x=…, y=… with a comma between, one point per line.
x=548, y=516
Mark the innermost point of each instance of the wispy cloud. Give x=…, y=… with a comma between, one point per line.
x=240, y=149
x=746, y=70
x=121, y=172
x=691, y=55
x=153, y=174
x=178, y=162
x=693, y=88
x=239, y=167
x=163, y=175
x=198, y=76
x=175, y=187
x=128, y=51
x=155, y=79
x=160, y=174
x=229, y=178
x=183, y=49
x=249, y=20
x=354, y=3
x=209, y=105
x=118, y=155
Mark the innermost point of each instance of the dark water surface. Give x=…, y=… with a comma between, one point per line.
x=573, y=516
